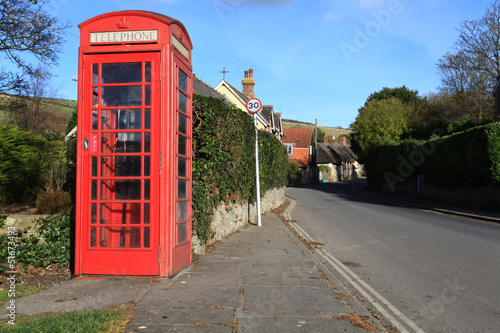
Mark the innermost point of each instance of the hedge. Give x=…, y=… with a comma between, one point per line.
x=224, y=160
x=468, y=158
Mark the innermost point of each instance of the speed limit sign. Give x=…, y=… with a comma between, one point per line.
x=254, y=105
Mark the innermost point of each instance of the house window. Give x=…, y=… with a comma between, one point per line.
x=289, y=149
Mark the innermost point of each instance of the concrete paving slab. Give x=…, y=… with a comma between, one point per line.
x=184, y=316
x=267, y=279
x=295, y=324
x=160, y=328
x=297, y=301
x=192, y=297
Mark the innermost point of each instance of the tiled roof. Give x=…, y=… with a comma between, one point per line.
x=277, y=117
x=302, y=137
x=267, y=113
x=202, y=89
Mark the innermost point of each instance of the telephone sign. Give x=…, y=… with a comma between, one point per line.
x=254, y=105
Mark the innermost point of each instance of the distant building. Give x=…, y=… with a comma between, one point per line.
x=341, y=161
x=299, y=143
x=274, y=121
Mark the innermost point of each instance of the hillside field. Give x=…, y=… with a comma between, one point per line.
x=60, y=111
x=330, y=131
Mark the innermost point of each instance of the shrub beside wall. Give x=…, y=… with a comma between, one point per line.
x=224, y=160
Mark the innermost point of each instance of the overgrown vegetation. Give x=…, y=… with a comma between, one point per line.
x=224, y=162
x=51, y=247
x=31, y=166
x=111, y=319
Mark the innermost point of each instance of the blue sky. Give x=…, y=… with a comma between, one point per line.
x=311, y=58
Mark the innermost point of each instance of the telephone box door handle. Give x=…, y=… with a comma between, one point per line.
x=86, y=144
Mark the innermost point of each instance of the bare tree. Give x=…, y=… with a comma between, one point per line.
x=26, y=28
x=465, y=90
x=29, y=109
x=470, y=73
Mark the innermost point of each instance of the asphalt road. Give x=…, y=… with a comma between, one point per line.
x=433, y=272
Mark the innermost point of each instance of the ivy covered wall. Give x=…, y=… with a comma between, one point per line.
x=224, y=160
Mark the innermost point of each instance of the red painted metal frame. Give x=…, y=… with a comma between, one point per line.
x=172, y=256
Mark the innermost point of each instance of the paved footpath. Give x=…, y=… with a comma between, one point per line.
x=262, y=279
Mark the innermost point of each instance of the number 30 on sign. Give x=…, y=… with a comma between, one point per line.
x=254, y=105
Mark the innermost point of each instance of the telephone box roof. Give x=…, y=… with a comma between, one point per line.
x=147, y=14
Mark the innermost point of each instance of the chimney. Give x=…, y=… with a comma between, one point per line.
x=344, y=140
x=325, y=139
x=248, y=84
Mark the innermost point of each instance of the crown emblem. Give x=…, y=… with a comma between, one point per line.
x=123, y=23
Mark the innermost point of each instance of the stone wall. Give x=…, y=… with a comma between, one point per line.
x=229, y=218
x=20, y=222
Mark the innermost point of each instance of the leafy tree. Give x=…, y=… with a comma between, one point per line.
x=470, y=72
x=405, y=95
x=26, y=28
x=320, y=134
x=379, y=119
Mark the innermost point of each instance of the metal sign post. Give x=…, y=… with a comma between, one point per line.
x=254, y=106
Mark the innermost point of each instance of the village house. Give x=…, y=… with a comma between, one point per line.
x=267, y=120
x=299, y=143
x=341, y=161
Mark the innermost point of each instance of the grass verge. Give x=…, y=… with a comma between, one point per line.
x=109, y=320
x=20, y=292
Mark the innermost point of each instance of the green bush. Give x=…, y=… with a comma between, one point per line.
x=20, y=177
x=52, y=247
x=292, y=168
x=28, y=163
x=324, y=168
x=224, y=160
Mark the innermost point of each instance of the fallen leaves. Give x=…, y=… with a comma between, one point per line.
x=234, y=325
x=341, y=295
x=358, y=321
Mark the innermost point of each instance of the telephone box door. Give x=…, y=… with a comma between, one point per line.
x=120, y=223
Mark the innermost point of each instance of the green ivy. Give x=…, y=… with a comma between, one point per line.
x=52, y=247
x=224, y=160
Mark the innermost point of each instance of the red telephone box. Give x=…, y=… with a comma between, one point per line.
x=133, y=209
